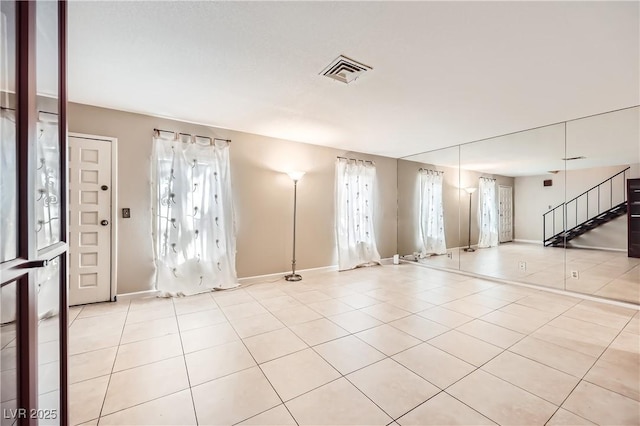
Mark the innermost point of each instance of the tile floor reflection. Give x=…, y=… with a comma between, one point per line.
x=601, y=273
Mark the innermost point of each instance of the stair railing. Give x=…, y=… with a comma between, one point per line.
x=583, y=215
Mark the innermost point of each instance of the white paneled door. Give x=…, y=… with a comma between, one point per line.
x=505, y=208
x=90, y=220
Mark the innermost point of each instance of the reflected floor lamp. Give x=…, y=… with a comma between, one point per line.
x=470, y=191
x=295, y=177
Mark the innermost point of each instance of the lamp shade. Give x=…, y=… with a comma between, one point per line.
x=470, y=190
x=295, y=176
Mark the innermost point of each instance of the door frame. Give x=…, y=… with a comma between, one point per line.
x=114, y=206
x=499, y=221
x=28, y=258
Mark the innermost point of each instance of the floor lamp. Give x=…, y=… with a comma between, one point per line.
x=470, y=191
x=295, y=177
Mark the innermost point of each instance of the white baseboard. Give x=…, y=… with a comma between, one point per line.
x=580, y=246
x=474, y=246
x=517, y=240
x=249, y=280
x=310, y=271
x=268, y=277
x=138, y=295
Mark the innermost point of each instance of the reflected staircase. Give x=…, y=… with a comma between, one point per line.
x=583, y=217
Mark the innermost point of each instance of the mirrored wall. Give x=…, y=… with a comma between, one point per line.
x=546, y=206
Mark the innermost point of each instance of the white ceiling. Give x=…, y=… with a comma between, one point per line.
x=611, y=139
x=443, y=72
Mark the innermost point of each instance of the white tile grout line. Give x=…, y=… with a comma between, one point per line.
x=409, y=314
x=622, y=304
x=106, y=391
x=184, y=359
x=582, y=379
x=257, y=365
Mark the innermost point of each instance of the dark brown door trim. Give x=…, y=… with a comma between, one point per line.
x=64, y=290
x=26, y=118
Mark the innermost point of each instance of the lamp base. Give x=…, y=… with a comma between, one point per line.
x=469, y=249
x=293, y=277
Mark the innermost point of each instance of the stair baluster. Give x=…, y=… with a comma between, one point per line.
x=559, y=239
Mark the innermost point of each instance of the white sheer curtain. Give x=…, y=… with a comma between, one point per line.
x=46, y=206
x=487, y=213
x=431, y=213
x=8, y=219
x=355, y=181
x=194, y=226
x=47, y=203
x=47, y=211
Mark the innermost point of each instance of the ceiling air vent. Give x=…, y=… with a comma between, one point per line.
x=345, y=69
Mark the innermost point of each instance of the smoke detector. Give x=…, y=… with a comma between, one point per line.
x=345, y=69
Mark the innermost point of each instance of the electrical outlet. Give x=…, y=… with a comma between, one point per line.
x=575, y=275
x=450, y=255
x=126, y=213
x=522, y=266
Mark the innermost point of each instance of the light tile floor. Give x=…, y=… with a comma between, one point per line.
x=391, y=344
x=601, y=273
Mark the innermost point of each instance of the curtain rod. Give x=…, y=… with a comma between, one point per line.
x=176, y=134
x=42, y=112
x=356, y=159
x=429, y=170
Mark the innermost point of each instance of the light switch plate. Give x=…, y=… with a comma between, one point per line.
x=126, y=213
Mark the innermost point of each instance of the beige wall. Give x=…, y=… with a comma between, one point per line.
x=409, y=205
x=455, y=202
x=533, y=200
x=263, y=196
x=470, y=178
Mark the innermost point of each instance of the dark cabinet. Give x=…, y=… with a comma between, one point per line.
x=633, y=214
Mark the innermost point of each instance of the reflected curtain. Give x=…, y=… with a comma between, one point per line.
x=48, y=184
x=8, y=217
x=487, y=213
x=194, y=225
x=47, y=211
x=355, y=182
x=46, y=206
x=431, y=213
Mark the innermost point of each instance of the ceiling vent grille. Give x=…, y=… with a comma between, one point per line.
x=345, y=69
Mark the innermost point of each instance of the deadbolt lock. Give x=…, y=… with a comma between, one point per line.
x=104, y=222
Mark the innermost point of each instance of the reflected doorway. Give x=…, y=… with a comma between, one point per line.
x=505, y=212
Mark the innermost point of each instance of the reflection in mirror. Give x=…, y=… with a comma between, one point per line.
x=603, y=154
x=48, y=214
x=47, y=191
x=428, y=208
x=8, y=206
x=49, y=339
x=522, y=198
x=519, y=179
x=8, y=365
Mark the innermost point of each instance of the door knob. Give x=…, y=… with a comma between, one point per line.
x=104, y=222
x=104, y=187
